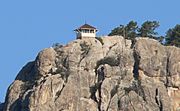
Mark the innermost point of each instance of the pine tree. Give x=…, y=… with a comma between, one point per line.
x=131, y=30
x=117, y=31
x=127, y=31
x=148, y=29
x=173, y=36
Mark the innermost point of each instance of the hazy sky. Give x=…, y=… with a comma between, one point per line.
x=28, y=26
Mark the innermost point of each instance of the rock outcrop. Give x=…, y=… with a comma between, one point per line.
x=99, y=74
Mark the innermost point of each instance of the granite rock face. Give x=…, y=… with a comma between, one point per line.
x=104, y=74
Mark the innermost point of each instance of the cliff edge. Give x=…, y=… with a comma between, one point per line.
x=99, y=74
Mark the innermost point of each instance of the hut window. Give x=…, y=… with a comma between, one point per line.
x=86, y=31
x=91, y=31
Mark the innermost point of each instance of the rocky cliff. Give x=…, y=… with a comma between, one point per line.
x=102, y=74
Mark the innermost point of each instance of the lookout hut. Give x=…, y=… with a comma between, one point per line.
x=86, y=31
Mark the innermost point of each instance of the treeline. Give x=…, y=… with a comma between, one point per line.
x=148, y=29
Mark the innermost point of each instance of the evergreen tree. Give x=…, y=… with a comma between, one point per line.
x=117, y=31
x=128, y=31
x=148, y=29
x=173, y=36
x=131, y=30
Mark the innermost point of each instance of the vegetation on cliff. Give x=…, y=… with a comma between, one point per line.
x=148, y=29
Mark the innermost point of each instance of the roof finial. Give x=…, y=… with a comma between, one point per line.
x=85, y=22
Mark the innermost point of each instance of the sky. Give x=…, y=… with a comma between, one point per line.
x=28, y=26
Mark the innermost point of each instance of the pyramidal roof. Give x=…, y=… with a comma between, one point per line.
x=86, y=26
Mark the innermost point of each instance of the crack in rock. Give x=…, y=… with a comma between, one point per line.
x=97, y=87
x=158, y=100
